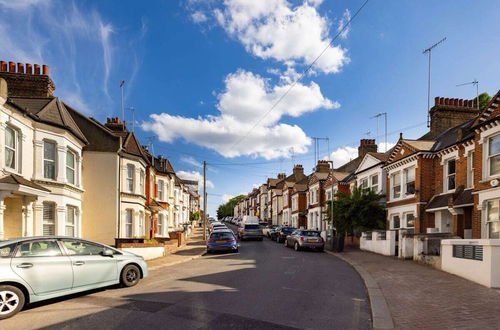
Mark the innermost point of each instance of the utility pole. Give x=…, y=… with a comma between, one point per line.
x=122, y=83
x=132, y=109
x=204, y=200
x=378, y=115
x=476, y=83
x=429, y=52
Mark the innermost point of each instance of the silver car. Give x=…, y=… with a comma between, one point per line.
x=39, y=268
x=305, y=239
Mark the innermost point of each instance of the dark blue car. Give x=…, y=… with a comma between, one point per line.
x=222, y=240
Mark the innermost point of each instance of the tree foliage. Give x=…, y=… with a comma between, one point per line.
x=361, y=210
x=227, y=209
x=484, y=99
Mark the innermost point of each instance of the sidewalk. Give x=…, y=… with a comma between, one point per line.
x=194, y=248
x=419, y=296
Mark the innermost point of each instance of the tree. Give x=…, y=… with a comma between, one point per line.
x=227, y=209
x=484, y=99
x=360, y=210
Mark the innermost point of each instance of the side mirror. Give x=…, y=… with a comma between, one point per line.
x=107, y=253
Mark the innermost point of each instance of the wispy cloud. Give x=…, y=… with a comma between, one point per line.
x=191, y=161
x=105, y=31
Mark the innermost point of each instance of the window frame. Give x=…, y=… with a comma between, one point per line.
x=47, y=160
x=142, y=180
x=470, y=168
x=52, y=223
x=374, y=187
x=488, y=221
x=448, y=175
x=161, y=190
x=393, y=185
x=130, y=178
x=406, y=182
x=16, y=150
x=74, y=169
x=392, y=221
x=405, y=216
x=489, y=156
x=129, y=224
x=74, y=210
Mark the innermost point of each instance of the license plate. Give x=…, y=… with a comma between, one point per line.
x=312, y=240
x=220, y=241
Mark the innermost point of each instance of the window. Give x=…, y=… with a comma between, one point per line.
x=396, y=222
x=130, y=177
x=364, y=183
x=493, y=218
x=494, y=155
x=374, y=183
x=71, y=167
x=128, y=223
x=141, y=224
x=160, y=224
x=7, y=250
x=160, y=190
x=409, y=181
x=83, y=248
x=142, y=178
x=46, y=248
x=396, y=185
x=70, y=221
x=12, y=142
x=450, y=174
x=410, y=220
x=470, y=169
x=49, y=160
x=49, y=218
x=329, y=195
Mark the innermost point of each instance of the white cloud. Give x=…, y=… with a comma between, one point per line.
x=275, y=29
x=199, y=17
x=343, y=155
x=247, y=98
x=195, y=176
x=346, y=17
x=105, y=31
x=225, y=197
x=21, y=4
x=383, y=147
x=191, y=161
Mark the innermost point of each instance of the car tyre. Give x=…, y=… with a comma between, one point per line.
x=236, y=251
x=286, y=242
x=11, y=301
x=296, y=246
x=130, y=276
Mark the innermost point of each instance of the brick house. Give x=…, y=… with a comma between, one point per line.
x=316, y=196
x=263, y=204
x=299, y=203
x=288, y=184
x=275, y=192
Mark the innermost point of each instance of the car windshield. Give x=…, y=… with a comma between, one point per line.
x=216, y=236
x=287, y=229
x=310, y=233
x=252, y=226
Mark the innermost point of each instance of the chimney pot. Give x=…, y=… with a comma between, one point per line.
x=37, y=69
x=441, y=100
x=461, y=102
x=29, y=68
x=20, y=68
x=45, y=69
x=12, y=67
x=446, y=101
x=3, y=66
x=436, y=100
x=401, y=135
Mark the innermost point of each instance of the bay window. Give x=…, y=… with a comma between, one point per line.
x=142, y=178
x=71, y=167
x=410, y=220
x=396, y=222
x=396, y=185
x=130, y=177
x=70, y=226
x=374, y=183
x=49, y=218
x=364, y=183
x=49, y=160
x=12, y=142
x=494, y=155
x=493, y=218
x=450, y=174
x=160, y=190
x=128, y=223
x=160, y=225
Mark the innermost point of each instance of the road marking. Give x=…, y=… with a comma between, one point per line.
x=294, y=289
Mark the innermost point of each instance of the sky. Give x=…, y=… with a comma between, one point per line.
x=246, y=84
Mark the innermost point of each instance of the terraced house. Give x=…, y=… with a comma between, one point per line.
x=41, y=158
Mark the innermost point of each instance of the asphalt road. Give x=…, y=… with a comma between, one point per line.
x=264, y=286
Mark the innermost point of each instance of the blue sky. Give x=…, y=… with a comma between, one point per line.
x=203, y=74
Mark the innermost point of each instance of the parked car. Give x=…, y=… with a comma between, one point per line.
x=252, y=231
x=305, y=239
x=222, y=240
x=266, y=231
x=39, y=268
x=273, y=233
x=283, y=233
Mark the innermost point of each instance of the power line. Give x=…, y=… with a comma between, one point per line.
x=301, y=75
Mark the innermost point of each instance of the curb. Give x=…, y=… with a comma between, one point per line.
x=381, y=315
x=176, y=262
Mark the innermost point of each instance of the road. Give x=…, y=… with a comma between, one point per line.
x=264, y=286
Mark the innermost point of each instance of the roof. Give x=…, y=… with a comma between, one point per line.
x=438, y=201
x=379, y=155
x=48, y=110
x=17, y=179
x=420, y=145
x=464, y=198
x=453, y=135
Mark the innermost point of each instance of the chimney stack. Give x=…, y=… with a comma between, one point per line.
x=450, y=112
x=366, y=146
x=323, y=166
x=298, y=170
x=115, y=124
x=26, y=80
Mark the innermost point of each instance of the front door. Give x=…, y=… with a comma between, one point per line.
x=43, y=266
x=90, y=267
x=397, y=243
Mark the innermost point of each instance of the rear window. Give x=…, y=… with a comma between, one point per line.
x=6, y=250
x=221, y=236
x=287, y=230
x=252, y=226
x=310, y=233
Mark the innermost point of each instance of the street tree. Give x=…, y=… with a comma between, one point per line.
x=227, y=209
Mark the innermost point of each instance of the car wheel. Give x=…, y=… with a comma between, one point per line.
x=236, y=251
x=277, y=239
x=11, y=301
x=296, y=246
x=130, y=276
x=286, y=242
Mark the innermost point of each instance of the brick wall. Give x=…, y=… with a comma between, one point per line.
x=27, y=80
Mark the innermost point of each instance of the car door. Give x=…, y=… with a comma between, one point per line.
x=42, y=264
x=90, y=267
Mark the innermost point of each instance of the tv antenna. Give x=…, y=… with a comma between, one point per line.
x=429, y=52
x=473, y=83
x=132, y=109
x=122, y=84
x=378, y=115
x=151, y=146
